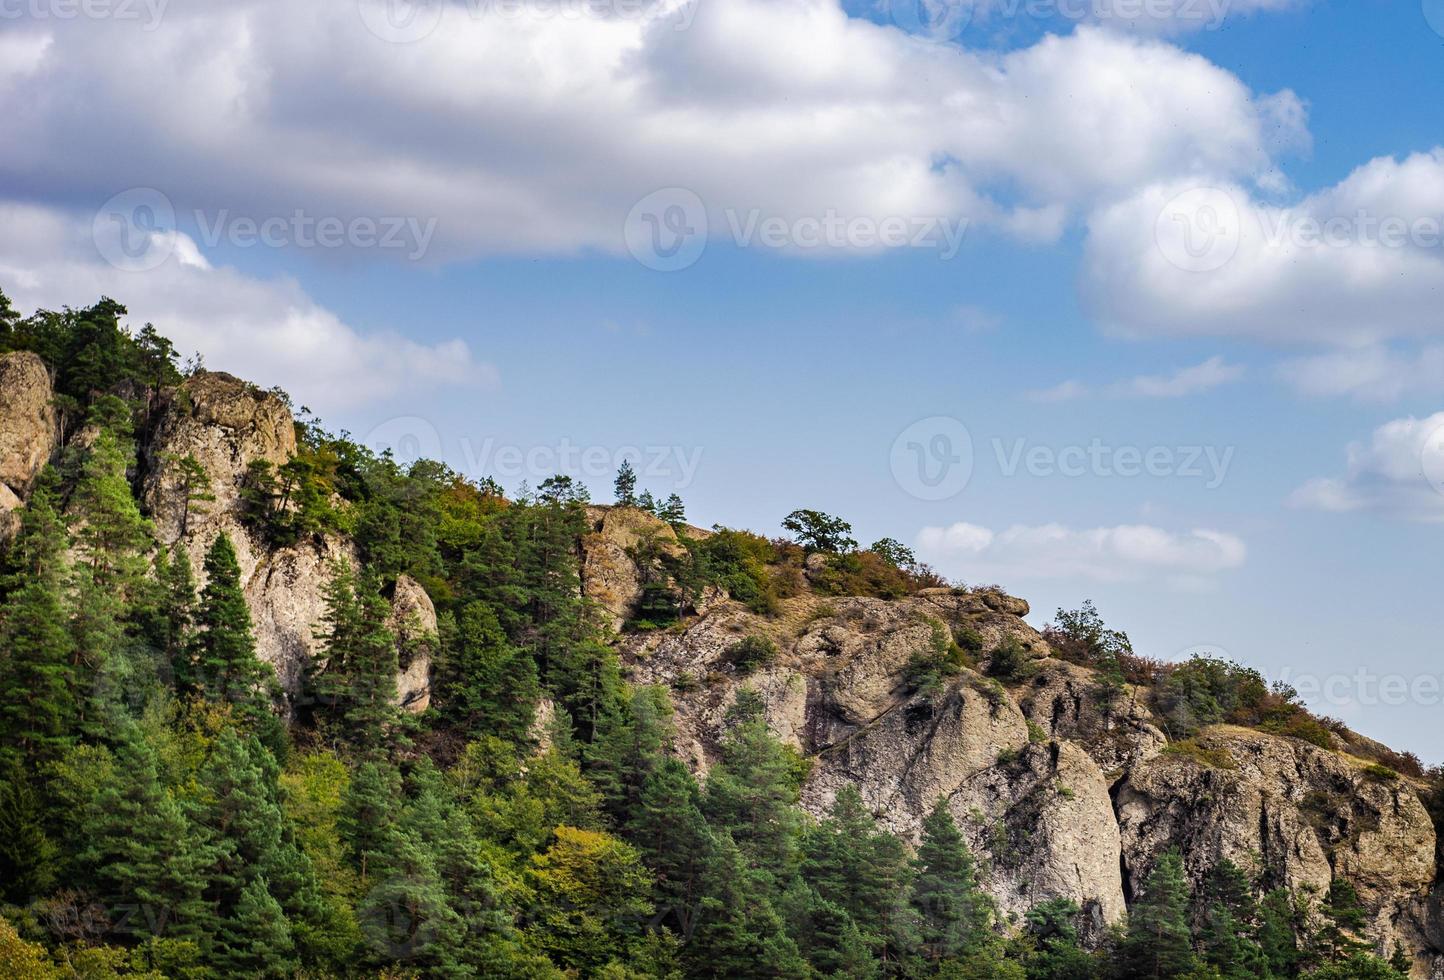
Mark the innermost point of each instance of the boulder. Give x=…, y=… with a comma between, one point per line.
x=413, y=620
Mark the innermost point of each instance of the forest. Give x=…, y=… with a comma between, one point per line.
x=166, y=812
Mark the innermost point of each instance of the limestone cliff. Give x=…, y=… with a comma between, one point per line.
x=1066, y=787
x=28, y=430
x=224, y=424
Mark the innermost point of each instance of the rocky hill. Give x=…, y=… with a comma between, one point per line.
x=1065, y=783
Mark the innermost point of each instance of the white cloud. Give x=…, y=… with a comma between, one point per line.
x=265, y=330
x=1399, y=473
x=532, y=133
x=1356, y=264
x=1371, y=374
x=1153, y=16
x=1193, y=380
x=1211, y=374
x=1113, y=554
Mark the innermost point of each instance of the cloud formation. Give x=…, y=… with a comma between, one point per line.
x=1129, y=552
x=1398, y=473
x=266, y=330
x=1196, y=379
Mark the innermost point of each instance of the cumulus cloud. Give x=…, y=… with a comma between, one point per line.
x=1398, y=473
x=1353, y=265
x=1192, y=380
x=1127, y=552
x=524, y=131
x=266, y=330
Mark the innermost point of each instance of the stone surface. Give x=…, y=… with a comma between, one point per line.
x=29, y=429
x=610, y=577
x=413, y=620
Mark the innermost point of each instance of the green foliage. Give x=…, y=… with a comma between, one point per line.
x=954, y=915
x=750, y=654
x=817, y=531
x=1158, y=942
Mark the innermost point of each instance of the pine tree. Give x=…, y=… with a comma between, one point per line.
x=953, y=913
x=739, y=932
x=357, y=688
x=673, y=511
x=193, y=489
x=1158, y=943
x=38, y=713
x=625, y=487
x=177, y=614
x=752, y=793
x=667, y=826
x=1229, y=921
x=482, y=682
x=629, y=747
x=109, y=527
x=27, y=854
x=255, y=938
x=147, y=861
x=223, y=651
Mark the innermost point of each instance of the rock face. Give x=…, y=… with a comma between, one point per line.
x=1061, y=783
x=610, y=576
x=1299, y=814
x=226, y=424
x=28, y=429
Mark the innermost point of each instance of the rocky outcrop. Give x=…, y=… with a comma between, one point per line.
x=225, y=425
x=1064, y=785
x=611, y=577
x=1297, y=814
x=413, y=620
x=28, y=430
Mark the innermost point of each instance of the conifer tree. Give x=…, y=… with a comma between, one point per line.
x=28, y=856
x=625, y=487
x=223, y=651
x=1158, y=943
x=357, y=688
x=38, y=713
x=739, y=932
x=484, y=684
x=109, y=527
x=953, y=913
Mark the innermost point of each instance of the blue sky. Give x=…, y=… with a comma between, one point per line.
x=516, y=147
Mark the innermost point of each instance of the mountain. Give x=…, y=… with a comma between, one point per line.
x=1077, y=771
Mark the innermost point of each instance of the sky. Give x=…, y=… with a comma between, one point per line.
x=1138, y=301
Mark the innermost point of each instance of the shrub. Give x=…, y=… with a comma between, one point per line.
x=1036, y=734
x=1380, y=774
x=1208, y=756
x=1007, y=660
x=751, y=653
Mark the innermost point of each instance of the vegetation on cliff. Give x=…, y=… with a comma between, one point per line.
x=158, y=818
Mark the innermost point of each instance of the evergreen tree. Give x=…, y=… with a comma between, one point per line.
x=357, y=688
x=667, y=826
x=752, y=794
x=38, y=713
x=223, y=651
x=147, y=862
x=625, y=487
x=110, y=530
x=28, y=856
x=482, y=682
x=953, y=913
x=739, y=932
x=1229, y=923
x=673, y=511
x=1158, y=943
x=255, y=938
x=1058, y=956
x=192, y=488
